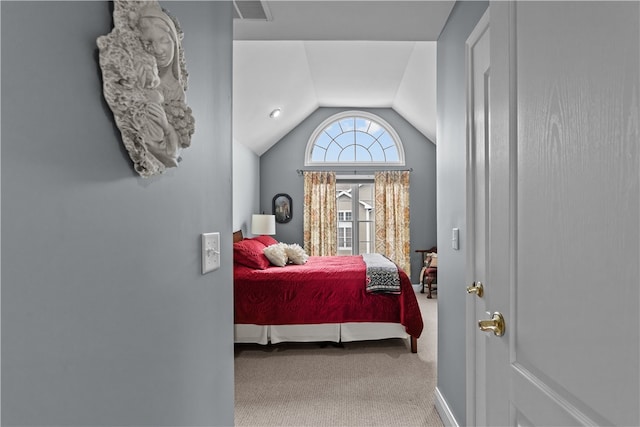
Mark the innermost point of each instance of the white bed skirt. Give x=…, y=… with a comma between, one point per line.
x=335, y=332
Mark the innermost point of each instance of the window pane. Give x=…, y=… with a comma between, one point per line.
x=366, y=236
x=367, y=194
x=376, y=130
x=392, y=154
x=364, y=139
x=348, y=154
x=362, y=154
x=386, y=140
x=323, y=140
x=362, y=125
x=377, y=153
x=333, y=153
x=344, y=204
x=345, y=139
x=318, y=154
x=333, y=130
x=347, y=124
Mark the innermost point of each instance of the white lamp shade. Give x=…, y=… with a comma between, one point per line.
x=263, y=224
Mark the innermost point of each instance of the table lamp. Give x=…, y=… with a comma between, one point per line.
x=263, y=224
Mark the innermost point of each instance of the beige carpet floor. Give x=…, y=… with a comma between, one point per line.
x=372, y=383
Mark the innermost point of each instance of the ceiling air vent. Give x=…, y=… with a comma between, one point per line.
x=256, y=10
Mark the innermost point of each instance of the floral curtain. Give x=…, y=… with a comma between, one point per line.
x=392, y=217
x=320, y=219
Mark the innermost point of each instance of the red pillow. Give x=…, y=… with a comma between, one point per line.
x=266, y=240
x=249, y=252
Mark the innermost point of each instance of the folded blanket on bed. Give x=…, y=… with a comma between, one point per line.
x=382, y=274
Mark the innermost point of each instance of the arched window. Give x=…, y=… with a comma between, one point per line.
x=354, y=138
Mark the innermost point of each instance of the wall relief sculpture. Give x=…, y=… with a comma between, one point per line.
x=144, y=81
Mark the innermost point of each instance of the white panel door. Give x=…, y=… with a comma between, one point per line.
x=478, y=202
x=562, y=222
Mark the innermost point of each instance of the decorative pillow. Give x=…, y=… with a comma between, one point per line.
x=249, y=252
x=296, y=254
x=277, y=254
x=266, y=240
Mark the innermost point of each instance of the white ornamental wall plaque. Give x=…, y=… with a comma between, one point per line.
x=144, y=82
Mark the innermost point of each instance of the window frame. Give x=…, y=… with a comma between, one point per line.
x=308, y=161
x=345, y=219
x=345, y=238
x=356, y=221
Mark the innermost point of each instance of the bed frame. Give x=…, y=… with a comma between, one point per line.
x=263, y=334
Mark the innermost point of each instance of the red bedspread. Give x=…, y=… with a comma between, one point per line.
x=327, y=289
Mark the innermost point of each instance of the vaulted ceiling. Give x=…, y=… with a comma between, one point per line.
x=310, y=54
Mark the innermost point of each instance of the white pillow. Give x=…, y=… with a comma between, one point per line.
x=276, y=254
x=296, y=253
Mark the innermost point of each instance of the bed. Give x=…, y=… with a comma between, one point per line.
x=323, y=299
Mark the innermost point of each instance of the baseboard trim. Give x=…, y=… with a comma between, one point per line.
x=447, y=417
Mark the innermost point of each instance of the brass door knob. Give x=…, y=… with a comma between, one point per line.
x=476, y=288
x=495, y=324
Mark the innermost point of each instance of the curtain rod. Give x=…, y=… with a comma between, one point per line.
x=355, y=172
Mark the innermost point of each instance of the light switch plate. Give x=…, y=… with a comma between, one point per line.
x=210, y=252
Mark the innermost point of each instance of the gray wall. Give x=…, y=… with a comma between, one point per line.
x=451, y=203
x=246, y=187
x=278, y=175
x=106, y=319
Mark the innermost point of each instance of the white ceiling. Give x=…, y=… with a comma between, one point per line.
x=328, y=53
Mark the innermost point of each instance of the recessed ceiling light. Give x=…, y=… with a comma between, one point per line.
x=275, y=113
